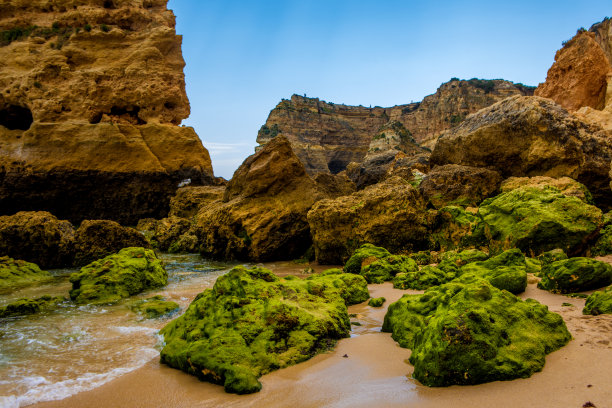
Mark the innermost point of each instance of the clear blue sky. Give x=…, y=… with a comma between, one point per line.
x=243, y=57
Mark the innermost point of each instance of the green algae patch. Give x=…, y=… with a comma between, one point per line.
x=473, y=333
x=424, y=257
x=377, y=302
x=253, y=322
x=599, y=302
x=603, y=246
x=551, y=256
x=384, y=269
x=537, y=220
x=427, y=277
x=15, y=273
x=24, y=306
x=457, y=228
x=154, y=307
x=121, y=275
x=575, y=275
x=464, y=257
x=533, y=265
x=507, y=270
x=367, y=253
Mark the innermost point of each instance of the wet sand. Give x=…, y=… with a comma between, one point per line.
x=375, y=372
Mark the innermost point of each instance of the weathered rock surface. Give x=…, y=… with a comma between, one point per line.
x=599, y=302
x=15, y=273
x=575, y=275
x=37, y=237
x=263, y=212
x=90, y=103
x=531, y=136
x=188, y=200
x=566, y=185
x=169, y=234
x=96, y=239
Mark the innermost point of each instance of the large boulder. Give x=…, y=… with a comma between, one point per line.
x=474, y=333
x=575, y=275
x=507, y=271
x=390, y=214
x=39, y=237
x=14, y=273
x=531, y=136
x=172, y=234
x=96, y=239
x=599, y=302
x=252, y=322
x=566, y=185
x=188, y=200
x=262, y=215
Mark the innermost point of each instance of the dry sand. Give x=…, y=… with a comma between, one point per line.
x=375, y=373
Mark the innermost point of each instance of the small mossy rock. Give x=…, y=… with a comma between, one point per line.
x=464, y=257
x=24, y=306
x=252, y=322
x=551, y=256
x=575, y=275
x=537, y=220
x=455, y=228
x=121, y=275
x=533, y=265
x=384, y=269
x=427, y=277
x=473, y=333
x=603, y=245
x=366, y=251
x=154, y=307
x=507, y=270
x=424, y=257
x=599, y=302
x=15, y=273
x=377, y=302
x=566, y=185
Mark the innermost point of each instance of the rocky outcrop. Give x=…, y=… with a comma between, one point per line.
x=171, y=234
x=531, y=136
x=262, y=215
x=565, y=185
x=91, y=97
x=327, y=137
x=188, y=200
x=15, y=273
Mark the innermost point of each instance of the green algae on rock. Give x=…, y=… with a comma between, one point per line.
x=365, y=252
x=382, y=270
x=126, y=273
x=26, y=306
x=464, y=257
x=15, y=273
x=603, y=245
x=377, y=302
x=253, y=322
x=154, y=307
x=473, y=333
x=599, y=302
x=457, y=228
x=425, y=278
x=507, y=270
x=575, y=275
x=537, y=220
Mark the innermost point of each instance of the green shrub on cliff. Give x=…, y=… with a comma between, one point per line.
x=575, y=275
x=14, y=273
x=473, y=333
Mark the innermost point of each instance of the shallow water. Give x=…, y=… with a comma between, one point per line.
x=75, y=348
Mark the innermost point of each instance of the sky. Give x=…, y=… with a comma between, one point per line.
x=244, y=56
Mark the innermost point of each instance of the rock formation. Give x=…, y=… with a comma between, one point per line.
x=91, y=96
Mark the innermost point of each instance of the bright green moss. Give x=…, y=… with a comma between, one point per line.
x=25, y=306
x=603, y=246
x=423, y=257
x=464, y=257
x=154, y=307
x=474, y=333
x=551, y=256
x=15, y=273
x=507, y=270
x=575, y=275
x=384, y=269
x=377, y=302
x=366, y=251
x=126, y=273
x=537, y=220
x=458, y=228
x=533, y=265
x=252, y=322
x=599, y=302
x=427, y=277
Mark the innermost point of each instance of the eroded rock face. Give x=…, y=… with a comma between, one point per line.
x=90, y=103
x=531, y=136
x=263, y=212
x=188, y=200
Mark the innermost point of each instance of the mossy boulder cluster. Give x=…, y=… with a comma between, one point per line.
x=507, y=270
x=15, y=273
x=24, y=306
x=252, y=322
x=126, y=273
x=473, y=333
x=599, y=302
x=575, y=275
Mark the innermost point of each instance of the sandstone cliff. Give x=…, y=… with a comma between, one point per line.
x=327, y=137
x=91, y=96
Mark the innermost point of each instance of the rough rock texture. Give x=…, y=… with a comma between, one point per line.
x=327, y=137
x=599, y=302
x=263, y=212
x=124, y=274
x=454, y=227
x=454, y=184
x=96, y=239
x=24, y=306
x=90, y=103
x=575, y=275
x=172, y=234
x=507, y=271
x=188, y=200
x=154, y=307
x=335, y=185
x=252, y=322
x=474, y=333
x=14, y=273
x=37, y=237
x=531, y=136
x=566, y=185
x=390, y=214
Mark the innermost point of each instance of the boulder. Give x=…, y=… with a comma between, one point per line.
x=38, y=237
x=24, y=306
x=168, y=234
x=252, y=322
x=377, y=302
x=455, y=227
x=599, y=302
x=473, y=333
x=121, y=275
x=15, y=273
x=575, y=275
x=154, y=307
x=566, y=185
x=385, y=269
x=507, y=271
x=188, y=200
x=425, y=278
x=96, y=239
x=335, y=185
x=603, y=245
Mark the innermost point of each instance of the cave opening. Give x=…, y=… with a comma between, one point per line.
x=15, y=117
x=336, y=166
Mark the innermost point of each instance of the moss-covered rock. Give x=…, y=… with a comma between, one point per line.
x=169, y=234
x=15, y=273
x=464, y=257
x=575, y=275
x=474, y=333
x=425, y=278
x=126, y=273
x=252, y=322
x=603, y=245
x=24, y=306
x=456, y=228
x=507, y=270
x=599, y=302
x=377, y=302
x=551, y=256
x=365, y=252
x=537, y=220
x=424, y=257
x=382, y=270
x=154, y=307
x=533, y=265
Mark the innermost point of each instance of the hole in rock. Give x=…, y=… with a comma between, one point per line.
x=108, y=4
x=16, y=117
x=336, y=166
